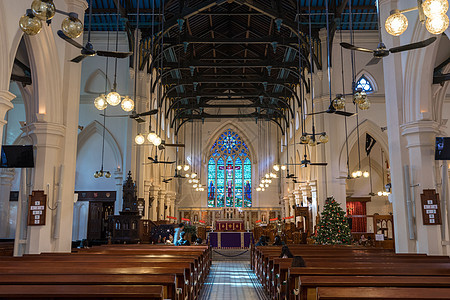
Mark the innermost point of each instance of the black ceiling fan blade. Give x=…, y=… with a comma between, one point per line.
x=174, y=145
x=113, y=54
x=69, y=40
x=352, y=47
x=79, y=58
x=166, y=162
x=344, y=113
x=152, y=159
x=114, y=116
x=318, y=164
x=413, y=46
x=437, y=79
x=148, y=113
x=373, y=61
x=317, y=113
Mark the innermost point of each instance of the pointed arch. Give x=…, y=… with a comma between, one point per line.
x=96, y=127
x=93, y=82
x=366, y=126
x=364, y=74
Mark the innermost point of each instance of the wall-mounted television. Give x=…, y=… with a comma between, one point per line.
x=17, y=156
x=442, y=149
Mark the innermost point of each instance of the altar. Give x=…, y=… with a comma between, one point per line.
x=230, y=225
x=227, y=240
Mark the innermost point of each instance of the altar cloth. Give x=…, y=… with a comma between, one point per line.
x=229, y=225
x=227, y=240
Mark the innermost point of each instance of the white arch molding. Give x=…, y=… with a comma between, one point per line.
x=366, y=126
x=96, y=127
x=95, y=76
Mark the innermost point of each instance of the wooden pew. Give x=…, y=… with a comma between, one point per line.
x=110, y=292
x=385, y=293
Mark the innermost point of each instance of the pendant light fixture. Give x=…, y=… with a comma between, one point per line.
x=102, y=173
x=113, y=98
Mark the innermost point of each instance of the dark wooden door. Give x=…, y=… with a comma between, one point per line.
x=95, y=220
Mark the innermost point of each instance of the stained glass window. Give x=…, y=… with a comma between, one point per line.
x=229, y=172
x=364, y=84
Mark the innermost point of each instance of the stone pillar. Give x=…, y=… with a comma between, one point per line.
x=171, y=212
x=5, y=104
x=118, y=177
x=314, y=204
x=286, y=207
x=153, y=202
x=298, y=197
x=161, y=203
x=48, y=139
x=168, y=201
x=147, y=185
x=6, y=178
x=291, y=208
x=420, y=136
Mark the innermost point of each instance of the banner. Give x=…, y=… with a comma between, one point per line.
x=183, y=219
x=287, y=218
x=170, y=217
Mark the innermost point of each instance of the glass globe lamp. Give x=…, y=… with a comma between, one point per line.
x=396, y=24
x=380, y=193
x=258, y=189
x=263, y=189
x=359, y=97
x=283, y=168
x=267, y=175
x=187, y=175
x=195, y=185
x=157, y=141
x=437, y=24
x=179, y=167
x=359, y=173
x=151, y=138
x=96, y=175
x=72, y=27
x=190, y=180
x=127, y=104
x=186, y=167
x=364, y=105
x=113, y=98
x=100, y=102
x=323, y=138
x=193, y=175
x=304, y=139
x=266, y=185
x=30, y=25
x=261, y=185
x=366, y=174
x=43, y=9
x=432, y=8
x=139, y=139
x=108, y=174
x=276, y=168
x=312, y=142
x=339, y=103
x=272, y=175
x=269, y=181
x=354, y=174
x=100, y=173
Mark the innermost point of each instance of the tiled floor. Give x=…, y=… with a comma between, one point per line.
x=232, y=280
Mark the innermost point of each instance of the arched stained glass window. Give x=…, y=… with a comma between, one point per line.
x=364, y=84
x=229, y=172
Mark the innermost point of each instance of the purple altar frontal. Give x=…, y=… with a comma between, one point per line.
x=227, y=240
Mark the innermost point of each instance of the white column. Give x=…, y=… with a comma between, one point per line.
x=314, y=204
x=420, y=136
x=153, y=202
x=286, y=207
x=168, y=200
x=6, y=178
x=118, y=177
x=161, y=202
x=48, y=139
x=291, y=208
x=147, y=185
x=173, y=197
x=5, y=104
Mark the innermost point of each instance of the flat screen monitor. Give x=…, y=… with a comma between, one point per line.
x=17, y=156
x=442, y=151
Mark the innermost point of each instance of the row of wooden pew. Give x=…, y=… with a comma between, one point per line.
x=341, y=272
x=108, y=272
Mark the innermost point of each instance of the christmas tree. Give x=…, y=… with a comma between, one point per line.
x=333, y=227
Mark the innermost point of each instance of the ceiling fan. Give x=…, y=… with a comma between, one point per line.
x=166, y=180
x=156, y=161
x=332, y=110
x=305, y=162
x=290, y=175
x=88, y=50
x=163, y=145
x=381, y=50
x=134, y=115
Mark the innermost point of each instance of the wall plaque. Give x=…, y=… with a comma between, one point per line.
x=37, y=208
x=431, y=208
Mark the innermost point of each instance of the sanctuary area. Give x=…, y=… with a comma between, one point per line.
x=219, y=149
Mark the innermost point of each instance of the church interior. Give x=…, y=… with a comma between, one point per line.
x=299, y=147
